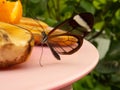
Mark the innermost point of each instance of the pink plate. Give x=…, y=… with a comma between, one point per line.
x=54, y=74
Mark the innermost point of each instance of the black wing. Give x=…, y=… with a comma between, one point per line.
x=80, y=24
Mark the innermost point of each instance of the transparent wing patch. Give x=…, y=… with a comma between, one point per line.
x=65, y=43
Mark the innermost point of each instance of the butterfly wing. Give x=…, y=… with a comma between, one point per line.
x=69, y=42
x=80, y=24
x=65, y=43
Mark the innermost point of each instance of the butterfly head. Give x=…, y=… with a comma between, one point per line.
x=44, y=37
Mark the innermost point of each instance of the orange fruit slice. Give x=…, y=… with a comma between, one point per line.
x=10, y=12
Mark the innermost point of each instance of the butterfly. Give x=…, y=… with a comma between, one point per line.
x=70, y=41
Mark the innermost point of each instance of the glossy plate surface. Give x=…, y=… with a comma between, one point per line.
x=54, y=74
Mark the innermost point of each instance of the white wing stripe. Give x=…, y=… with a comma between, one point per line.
x=81, y=22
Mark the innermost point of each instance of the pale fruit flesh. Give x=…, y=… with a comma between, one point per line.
x=15, y=45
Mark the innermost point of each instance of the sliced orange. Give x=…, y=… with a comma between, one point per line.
x=10, y=12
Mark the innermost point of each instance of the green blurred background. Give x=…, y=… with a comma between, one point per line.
x=105, y=35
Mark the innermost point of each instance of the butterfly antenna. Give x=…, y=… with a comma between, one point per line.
x=35, y=19
x=39, y=23
x=40, y=59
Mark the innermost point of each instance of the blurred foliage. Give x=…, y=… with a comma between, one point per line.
x=105, y=35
